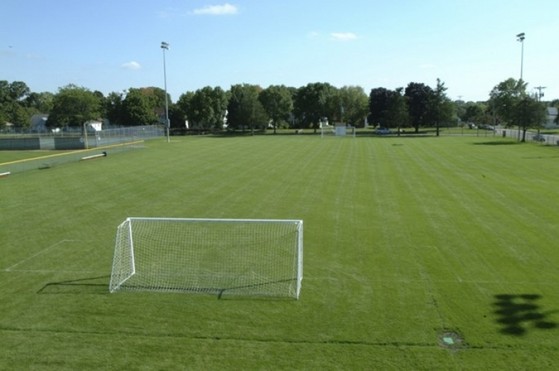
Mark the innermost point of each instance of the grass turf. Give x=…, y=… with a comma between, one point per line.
x=407, y=240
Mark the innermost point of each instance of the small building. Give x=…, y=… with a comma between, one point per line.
x=96, y=125
x=551, y=119
x=39, y=123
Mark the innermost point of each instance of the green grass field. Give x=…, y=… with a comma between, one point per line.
x=420, y=253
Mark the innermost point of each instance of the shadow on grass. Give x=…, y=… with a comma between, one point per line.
x=248, y=292
x=78, y=286
x=518, y=313
x=496, y=143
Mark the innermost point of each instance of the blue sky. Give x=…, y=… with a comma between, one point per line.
x=112, y=45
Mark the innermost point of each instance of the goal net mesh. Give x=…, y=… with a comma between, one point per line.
x=224, y=257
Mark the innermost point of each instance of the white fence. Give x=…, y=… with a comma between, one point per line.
x=545, y=139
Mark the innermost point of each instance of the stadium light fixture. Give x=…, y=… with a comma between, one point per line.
x=165, y=46
x=520, y=37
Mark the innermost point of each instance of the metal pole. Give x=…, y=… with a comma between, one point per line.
x=165, y=46
x=85, y=135
x=521, y=37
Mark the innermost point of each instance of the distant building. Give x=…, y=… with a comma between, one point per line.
x=39, y=123
x=551, y=120
x=95, y=125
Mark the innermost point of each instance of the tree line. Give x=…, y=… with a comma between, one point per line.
x=251, y=107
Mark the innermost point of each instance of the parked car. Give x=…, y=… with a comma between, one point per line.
x=382, y=131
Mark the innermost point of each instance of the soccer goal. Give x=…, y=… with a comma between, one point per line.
x=339, y=130
x=223, y=257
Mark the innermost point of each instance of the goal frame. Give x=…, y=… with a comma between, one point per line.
x=124, y=260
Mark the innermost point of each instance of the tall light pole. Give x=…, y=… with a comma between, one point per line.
x=165, y=46
x=520, y=37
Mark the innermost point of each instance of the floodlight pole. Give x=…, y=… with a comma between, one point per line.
x=85, y=135
x=165, y=46
x=520, y=37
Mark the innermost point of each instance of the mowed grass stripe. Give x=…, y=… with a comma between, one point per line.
x=404, y=237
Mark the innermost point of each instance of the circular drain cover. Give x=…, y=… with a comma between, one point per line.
x=451, y=340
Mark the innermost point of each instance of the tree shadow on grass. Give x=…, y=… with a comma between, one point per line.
x=497, y=143
x=518, y=313
x=79, y=286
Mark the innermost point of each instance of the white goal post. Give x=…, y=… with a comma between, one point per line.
x=223, y=257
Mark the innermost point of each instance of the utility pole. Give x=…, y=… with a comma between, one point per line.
x=540, y=93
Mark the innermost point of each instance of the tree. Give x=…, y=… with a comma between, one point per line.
x=114, y=108
x=387, y=108
x=511, y=101
x=40, y=102
x=277, y=102
x=472, y=112
x=73, y=106
x=205, y=108
x=18, y=91
x=14, y=107
x=503, y=98
x=244, y=108
x=354, y=104
x=379, y=99
x=529, y=113
x=139, y=108
x=311, y=104
x=397, y=110
x=156, y=100
x=418, y=97
x=440, y=107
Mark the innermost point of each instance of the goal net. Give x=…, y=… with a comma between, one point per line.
x=223, y=257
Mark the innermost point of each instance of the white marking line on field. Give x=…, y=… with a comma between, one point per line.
x=37, y=254
x=44, y=271
x=419, y=282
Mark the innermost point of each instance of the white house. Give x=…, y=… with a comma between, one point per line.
x=95, y=125
x=39, y=123
x=551, y=122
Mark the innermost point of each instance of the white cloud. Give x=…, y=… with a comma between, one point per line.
x=313, y=35
x=225, y=9
x=343, y=36
x=132, y=65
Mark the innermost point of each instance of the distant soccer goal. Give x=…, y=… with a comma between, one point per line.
x=338, y=130
x=223, y=257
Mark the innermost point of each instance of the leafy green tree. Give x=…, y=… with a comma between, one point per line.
x=503, y=98
x=40, y=102
x=14, y=107
x=529, y=113
x=156, y=100
x=4, y=91
x=379, y=99
x=313, y=103
x=472, y=112
x=388, y=108
x=139, y=108
x=205, y=108
x=18, y=91
x=511, y=101
x=440, y=107
x=73, y=106
x=183, y=106
x=277, y=102
x=354, y=104
x=244, y=108
x=418, y=97
x=397, y=109
x=114, y=108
